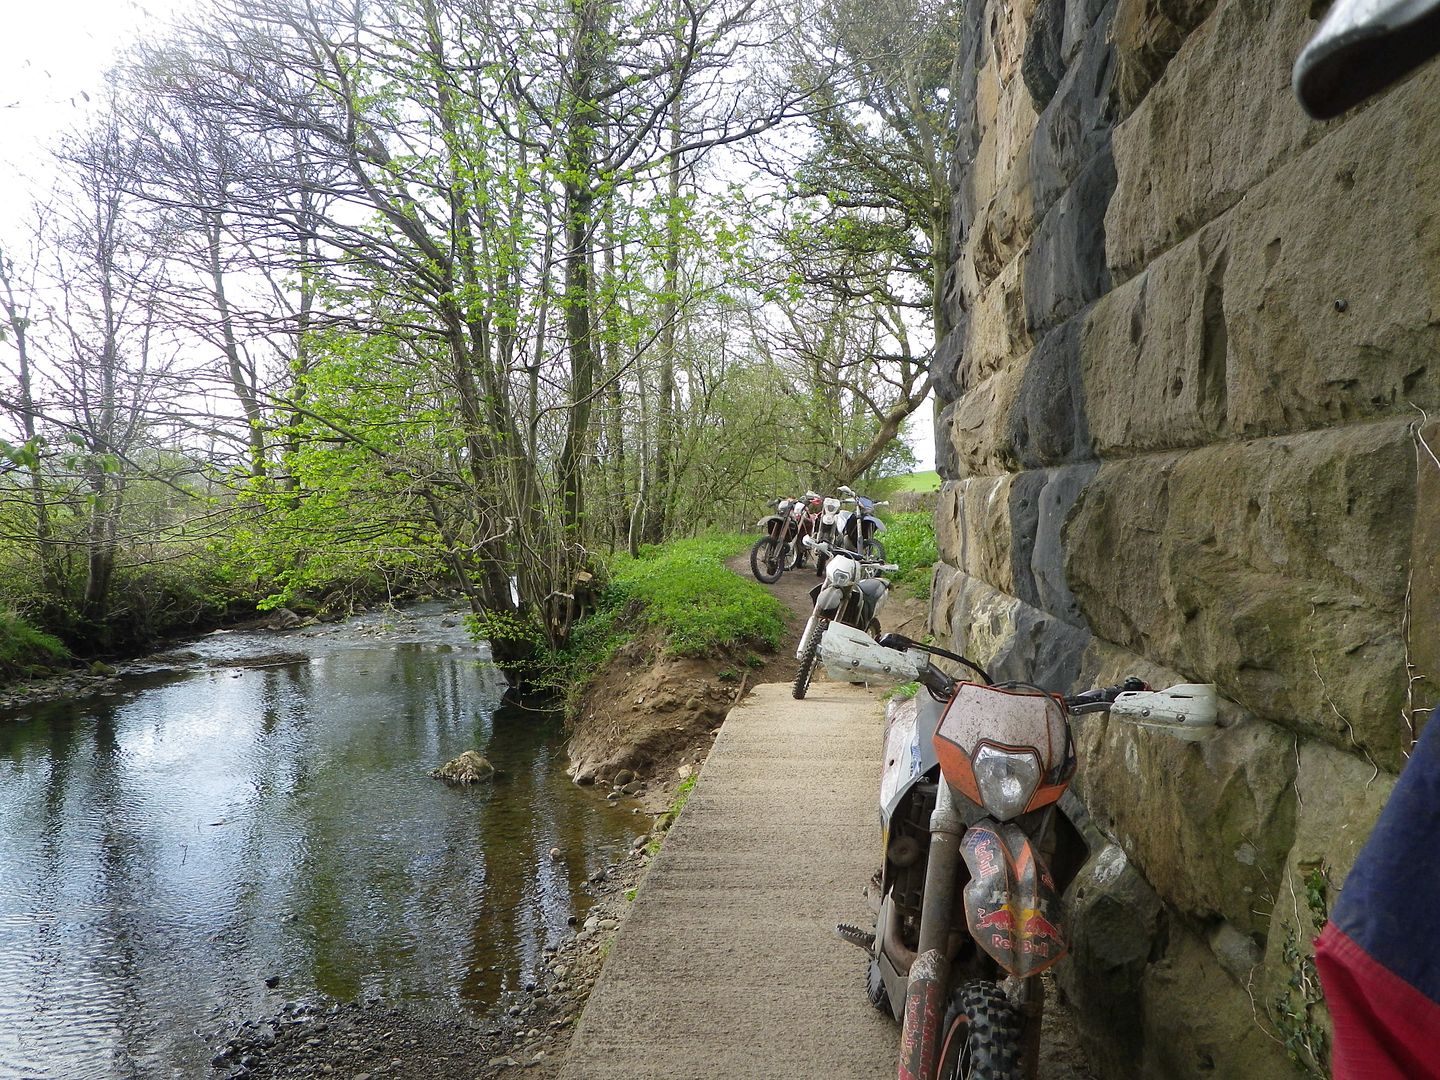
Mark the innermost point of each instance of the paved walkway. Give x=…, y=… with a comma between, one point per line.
x=727, y=964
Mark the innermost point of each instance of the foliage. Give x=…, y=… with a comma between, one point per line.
x=25, y=651
x=1298, y=1009
x=910, y=543
x=683, y=593
x=684, y=590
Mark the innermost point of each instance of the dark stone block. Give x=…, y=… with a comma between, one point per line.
x=947, y=461
x=1066, y=269
x=945, y=365
x=1076, y=125
x=1047, y=561
x=1042, y=67
x=1025, y=491
x=1044, y=652
x=1047, y=424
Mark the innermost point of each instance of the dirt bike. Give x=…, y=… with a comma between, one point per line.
x=859, y=528
x=977, y=851
x=769, y=554
x=851, y=594
x=806, y=515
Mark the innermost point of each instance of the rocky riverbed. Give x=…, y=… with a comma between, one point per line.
x=525, y=1035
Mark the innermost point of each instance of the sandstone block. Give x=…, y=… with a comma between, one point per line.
x=1065, y=268
x=1209, y=823
x=1115, y=920
x=1012, y=640
x=1221, y=120
x=1003, y=226
x=1075, y=125
x=1047, y=421
x=1199, y=1025
x=1275, y=568
x=1332, y=293
x=1340, y=796
x=1042, y=66
x=1155, y=352
x=977, y=427
x=996, y=327
x=1147, y=34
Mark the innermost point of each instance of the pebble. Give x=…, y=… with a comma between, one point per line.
x=501, y=1062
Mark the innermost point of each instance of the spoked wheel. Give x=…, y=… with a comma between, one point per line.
x=808, y=653
x=765, y=559
x=874, y=549
x=982, y=1036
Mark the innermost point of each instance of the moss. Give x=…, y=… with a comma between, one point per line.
x=26, y=652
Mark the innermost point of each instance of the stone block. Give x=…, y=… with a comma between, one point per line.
x=1209, y=823
x=977, y=427
x=1003, y=226
x=1332, y=294
x=1115, y=923
x=1198, y=1024
x=997, y=333
x=1080, y=16
x=1155, y=354
x=1275, y=568
x=1222, y=118
x=1065, y=268
x=1075, y=125
x=1011, y=639
x=1048, y=421
x=1147, y=35
x=1043, y=66
x=1058, y=495
x=1340, y=796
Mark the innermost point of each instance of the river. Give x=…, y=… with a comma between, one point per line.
x=255, y=807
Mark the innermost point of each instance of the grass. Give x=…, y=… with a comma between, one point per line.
x=684, y=593
x=25, y=651
x=919, y=482
x=909, y=541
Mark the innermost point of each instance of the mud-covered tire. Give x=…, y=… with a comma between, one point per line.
x=809, y=651
x=765, y=559
x=875, y=990
x=982, y=1035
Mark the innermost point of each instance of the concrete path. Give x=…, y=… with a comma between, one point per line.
x=727, y=964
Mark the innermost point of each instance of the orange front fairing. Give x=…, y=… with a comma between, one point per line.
x=1010, y=903
x=1009, y=720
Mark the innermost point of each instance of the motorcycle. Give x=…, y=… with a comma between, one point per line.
x=857, y=529
x=768, y=555
x=976, y=851
x=851, y=593
x=806, y=515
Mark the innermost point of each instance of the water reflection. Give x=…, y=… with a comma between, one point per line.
x=166, y=850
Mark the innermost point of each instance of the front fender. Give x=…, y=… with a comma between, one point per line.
x=1011, y=906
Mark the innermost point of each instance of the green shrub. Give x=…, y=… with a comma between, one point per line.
x=910, y=542
x=684, y=592
x=25, y=651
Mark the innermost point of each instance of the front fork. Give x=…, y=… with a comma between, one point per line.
x=929, y=979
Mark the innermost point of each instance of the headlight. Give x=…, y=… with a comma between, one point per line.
x=1007, y=780
x=840, y=573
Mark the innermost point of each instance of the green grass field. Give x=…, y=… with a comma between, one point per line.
x=920, y=481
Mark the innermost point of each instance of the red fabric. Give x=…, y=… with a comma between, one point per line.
x=1385, y=1029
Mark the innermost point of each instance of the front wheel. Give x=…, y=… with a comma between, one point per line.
x=808, y=652
x=765, y=560
x=982, y=1039
x=874, y=549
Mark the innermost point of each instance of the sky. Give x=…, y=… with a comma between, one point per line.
x=55, y=52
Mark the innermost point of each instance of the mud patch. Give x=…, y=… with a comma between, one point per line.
x=649, y=715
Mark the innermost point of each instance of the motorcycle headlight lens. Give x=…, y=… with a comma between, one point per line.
x=1007, y=780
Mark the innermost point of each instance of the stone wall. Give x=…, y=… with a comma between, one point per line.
x=1195, y=333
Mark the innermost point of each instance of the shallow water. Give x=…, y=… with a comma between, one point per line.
x=257, y=806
